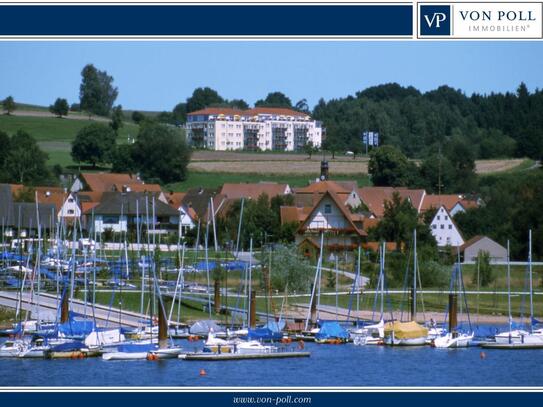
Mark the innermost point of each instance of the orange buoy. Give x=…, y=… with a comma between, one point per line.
x=203, y=372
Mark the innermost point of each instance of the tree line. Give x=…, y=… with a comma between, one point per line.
x=419, y=124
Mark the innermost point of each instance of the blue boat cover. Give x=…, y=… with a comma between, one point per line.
x=235, y=265
x=68, y=347
x=202, y=266
x=331, y=330
x=264, y=334
x=137, y=347
x=275, y=326
x=76, y=328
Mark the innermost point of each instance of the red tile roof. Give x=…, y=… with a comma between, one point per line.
x=217, y=110
x=435, y=201
x=293, y=214
x=175, y=198
x=323, y=186
x=253, y=191
x=107, y=182
x=227, y=111
x=375, y=197
x=278, y=111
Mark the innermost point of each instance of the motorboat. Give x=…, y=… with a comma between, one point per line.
x=36, y=350
x=405, y=334
x=11, y=349
x=253, y=347
x=369, y=334
x=218, y=345
x=453, y=340
x=520, y=336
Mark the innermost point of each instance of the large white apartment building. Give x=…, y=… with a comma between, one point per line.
x=261, y=128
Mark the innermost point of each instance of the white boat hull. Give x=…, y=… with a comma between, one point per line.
x=34, y=353
x=519, y=336
x=392, y=341
x=452, y=341
x=125, y=356
x=169, y=353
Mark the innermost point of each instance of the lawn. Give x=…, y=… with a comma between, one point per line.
x=55, y=135
x=198, y=179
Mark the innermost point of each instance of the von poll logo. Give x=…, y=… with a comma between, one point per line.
x=435, y=20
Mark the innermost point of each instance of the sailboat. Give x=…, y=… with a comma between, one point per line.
x=520, y=336
x=454, y=338
x=373, y=334
x=410, y=333
x=149, y=349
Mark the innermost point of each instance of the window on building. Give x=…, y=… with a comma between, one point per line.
x=71, y=200
x=434, y=226
x=442, y=226
x=70, y=211
x=450, y=227
x=446, y=218
x=327, y=208
x=438, y=218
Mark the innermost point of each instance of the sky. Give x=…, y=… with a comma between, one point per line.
x=157, y=75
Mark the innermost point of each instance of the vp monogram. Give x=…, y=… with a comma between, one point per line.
x=436, y=18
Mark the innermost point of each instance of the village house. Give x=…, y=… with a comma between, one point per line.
x=120, y=211
x=22, y=219
x=470, y=250
x=444, y=229
x=187, y=216
x=343, y=230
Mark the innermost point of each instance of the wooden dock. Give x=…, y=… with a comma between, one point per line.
x=510, y=346
x=240, y=356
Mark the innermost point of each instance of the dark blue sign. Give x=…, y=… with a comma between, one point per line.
x=435, y=19
x=207, y=20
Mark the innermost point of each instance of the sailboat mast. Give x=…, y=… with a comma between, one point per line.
x=531, y=280
x=358, y=284
x=509, y=289
x=383, y=248
x=249, y=307
x=414, y=275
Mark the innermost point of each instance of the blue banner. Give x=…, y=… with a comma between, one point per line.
x=280, y=398
x=201, y=20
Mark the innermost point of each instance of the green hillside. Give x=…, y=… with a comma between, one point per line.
x=55, y=135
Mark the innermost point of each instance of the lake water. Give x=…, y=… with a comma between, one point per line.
x=329, y=365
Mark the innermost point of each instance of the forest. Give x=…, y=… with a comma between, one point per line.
x=496, y=125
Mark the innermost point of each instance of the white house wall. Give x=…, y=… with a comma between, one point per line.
x=444, y=230
x=321, y=220
x=69, y=209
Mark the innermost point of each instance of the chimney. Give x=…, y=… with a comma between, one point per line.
x=324, y=170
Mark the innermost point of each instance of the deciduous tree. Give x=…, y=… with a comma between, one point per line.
x=93, y=144
x=97, y=93
x=60, y=107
